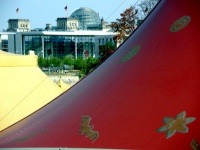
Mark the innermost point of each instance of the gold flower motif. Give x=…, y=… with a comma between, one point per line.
x=178, y=124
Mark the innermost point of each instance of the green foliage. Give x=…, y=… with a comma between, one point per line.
x=55, y=61
x=80, y=64
x=68, y=60
x=84, y=65
x=91, y=63
x=41, y=62
x=49, y=62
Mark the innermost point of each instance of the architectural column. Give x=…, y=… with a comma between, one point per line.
x=42, y=37
x=93, y=50
x=75, y=47
x=52, y=49
x=24, y=46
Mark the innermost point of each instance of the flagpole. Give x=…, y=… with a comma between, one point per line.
x=66, y=17
x=17, y=11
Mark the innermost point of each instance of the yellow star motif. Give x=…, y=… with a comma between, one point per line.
x=178, y=124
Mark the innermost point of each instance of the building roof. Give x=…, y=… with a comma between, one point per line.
x=69, y=33
x=18, y=20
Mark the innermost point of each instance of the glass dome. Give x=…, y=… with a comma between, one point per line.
x=87, y=17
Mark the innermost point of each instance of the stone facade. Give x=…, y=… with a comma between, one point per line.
x=18, y=25
x=67, y=24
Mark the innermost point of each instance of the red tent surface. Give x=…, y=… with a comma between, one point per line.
x=145, y=96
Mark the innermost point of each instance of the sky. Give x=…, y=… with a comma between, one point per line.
x=41, y=12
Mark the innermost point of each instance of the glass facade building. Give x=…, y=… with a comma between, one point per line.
x=4, y=41
x=59, y=46
x=4, y=45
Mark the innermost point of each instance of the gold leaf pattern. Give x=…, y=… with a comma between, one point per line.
x=195, y=145
x=87, y=129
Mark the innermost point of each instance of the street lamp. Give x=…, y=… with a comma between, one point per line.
x=39, y=54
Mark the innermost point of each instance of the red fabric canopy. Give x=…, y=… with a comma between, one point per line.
x=145, y=96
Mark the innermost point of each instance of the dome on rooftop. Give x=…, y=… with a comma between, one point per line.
x=87, y=17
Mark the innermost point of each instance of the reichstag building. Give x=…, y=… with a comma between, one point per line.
x=82, y=30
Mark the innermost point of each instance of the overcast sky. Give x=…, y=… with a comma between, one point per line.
x=41, y=12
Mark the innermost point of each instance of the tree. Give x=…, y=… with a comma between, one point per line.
x=85, y=65
x=146, y=7
x=80, y=64
x=106, y=50
x=41, y=62
x=54, y=61
x=91, y=64
x=68, y=60
x=126, y=24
